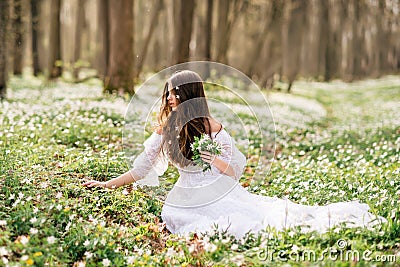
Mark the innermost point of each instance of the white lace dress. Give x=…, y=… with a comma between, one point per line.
x=199, y=201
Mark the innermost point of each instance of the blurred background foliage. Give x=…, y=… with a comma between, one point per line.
x=271, y=41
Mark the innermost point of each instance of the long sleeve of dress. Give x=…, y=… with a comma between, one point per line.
x=231, y=154
x=150, y=163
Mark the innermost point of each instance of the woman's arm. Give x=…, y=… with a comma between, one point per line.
x=231, y=161
x=124, y=179
x=142, y=166
x=220, y=164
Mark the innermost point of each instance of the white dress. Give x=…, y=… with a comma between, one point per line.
x=200, y=202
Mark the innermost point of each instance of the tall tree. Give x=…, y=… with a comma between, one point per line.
x=183, y=30
x=158, y=6
x=311, y=41
x=102, y=35
x=353, y=46
x=295, y=21
x=203, y=31
x=381, y=44
x=272, y=63
x=120, y=75
x=35, y=14
x=208, y=29
x=79, y=26
x=4, y=17
x=55, y=63
x=228, y=13
x=208, y=37
x=324, y=36
x=357, y=44
x=333, y=54
x=268, y=18
x=18, y=30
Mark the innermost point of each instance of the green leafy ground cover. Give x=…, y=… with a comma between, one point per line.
x=334, y=142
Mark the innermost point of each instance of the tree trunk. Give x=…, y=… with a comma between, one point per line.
x=334, y=54
x=381, y=40
x=4, y=17
x=78, y=34
x=154, y=21
x=292, y=38
x=272, y=47
x=120, y=76
x=35, y=14
x=184, y=31
x=323, y=39
x=228, y=13
x=356, y=43
x=103, y=33
x=254, y=53
x=162, y=54
x=55, y=63
x=208, y=29
x=176, y=26
x=205, y=37
x=347, y=63
x=18, y=28
x=223, y=12
x=311, y=40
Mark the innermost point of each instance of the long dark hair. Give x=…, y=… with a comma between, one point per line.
x=189, y=119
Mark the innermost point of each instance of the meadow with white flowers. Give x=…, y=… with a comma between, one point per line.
x=334, y=142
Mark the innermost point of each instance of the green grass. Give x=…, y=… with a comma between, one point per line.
x=334, y=142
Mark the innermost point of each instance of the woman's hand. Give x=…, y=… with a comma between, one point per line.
x=208, y=157
x=94, y=183
x=124, y=179
x=220, y=164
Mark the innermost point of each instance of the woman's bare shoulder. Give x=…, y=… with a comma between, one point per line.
x=216, y=126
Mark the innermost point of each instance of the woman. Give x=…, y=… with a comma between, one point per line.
x=201, y=200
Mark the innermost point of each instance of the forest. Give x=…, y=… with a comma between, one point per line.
x=308, y=90
x=120, y=42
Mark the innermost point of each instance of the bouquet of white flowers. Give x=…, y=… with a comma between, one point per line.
x=204, y=143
